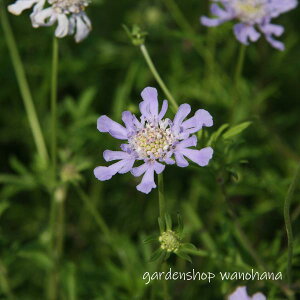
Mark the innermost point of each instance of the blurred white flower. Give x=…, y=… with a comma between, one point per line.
x=69, y=14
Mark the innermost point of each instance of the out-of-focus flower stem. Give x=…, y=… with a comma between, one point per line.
x=288, y=225
x=240, y=64
x=162, y=213
x=58, y=193
x=23, y=86
x=158, y=78
x=54, y=105
x=57, y=233
x=161, y=196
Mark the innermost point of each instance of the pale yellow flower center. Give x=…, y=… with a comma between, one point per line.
x=169, y=241
x=152, y=141
x=249, y=10
x=69, y=6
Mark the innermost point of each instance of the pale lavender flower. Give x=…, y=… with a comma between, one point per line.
x=69, y=14
x=241, y=294
x=254, y=18
x=153, y=140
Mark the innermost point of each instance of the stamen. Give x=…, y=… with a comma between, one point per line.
x=153, y=141
x=249, y=10
x=69, y=6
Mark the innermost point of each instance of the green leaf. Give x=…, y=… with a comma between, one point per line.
x=156, y=255
x=168, y=221
x=236, y=130
x=150, y=239
x=217, y=134
x=39, y=258
x=161, y=225
x=184, y=256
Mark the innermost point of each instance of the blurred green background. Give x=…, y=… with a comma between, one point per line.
x=103, y=224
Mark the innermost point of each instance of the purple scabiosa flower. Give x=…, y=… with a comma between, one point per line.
x=154, y=141
x=241, y=294
x=69, y=14
x=254, y=18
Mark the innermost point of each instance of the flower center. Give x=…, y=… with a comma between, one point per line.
x=152, y=141
x=169, y=241
x=69, y=6
x=249, y=11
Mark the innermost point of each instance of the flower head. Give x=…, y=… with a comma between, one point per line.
x=254, y=18
x=153, y=140
x=69, y=14
x=241, y=294
x=169, y=241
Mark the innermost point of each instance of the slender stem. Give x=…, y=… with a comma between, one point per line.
x=54, y=105
x=23, y=86
x=240, y=63
x=58, y=194
x=288, y=225
x=57, y=240
x=162, y=213
x=161, y=196
x=158, y=78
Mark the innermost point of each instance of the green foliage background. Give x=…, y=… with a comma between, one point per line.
x=105, y=223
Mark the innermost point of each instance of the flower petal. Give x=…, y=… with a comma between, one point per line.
x=20, y=5
x=164, y=109
x=106, y=173
x=62, y=28
x=180, y=160
x=239, y=294
x=45, y=17
x=105, y=124
x=272, y=29
x=258, y=296
x=115, y=155
x=245, y=32
x=183, y=111
x=83, y=27
x=200, y=157
x=147, y=183
x=189, y=142
x=200, y=119
x=149, y=107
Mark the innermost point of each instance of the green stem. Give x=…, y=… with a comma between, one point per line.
x=288, y=225
x=54, y=105
x=240, y=63
x=161, y=196
x=23, y=86
x=158, y=78
x=162, y=213
x=57, y=239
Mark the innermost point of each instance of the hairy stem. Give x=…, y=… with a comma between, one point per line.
x=158, y=78
x=24, y=86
